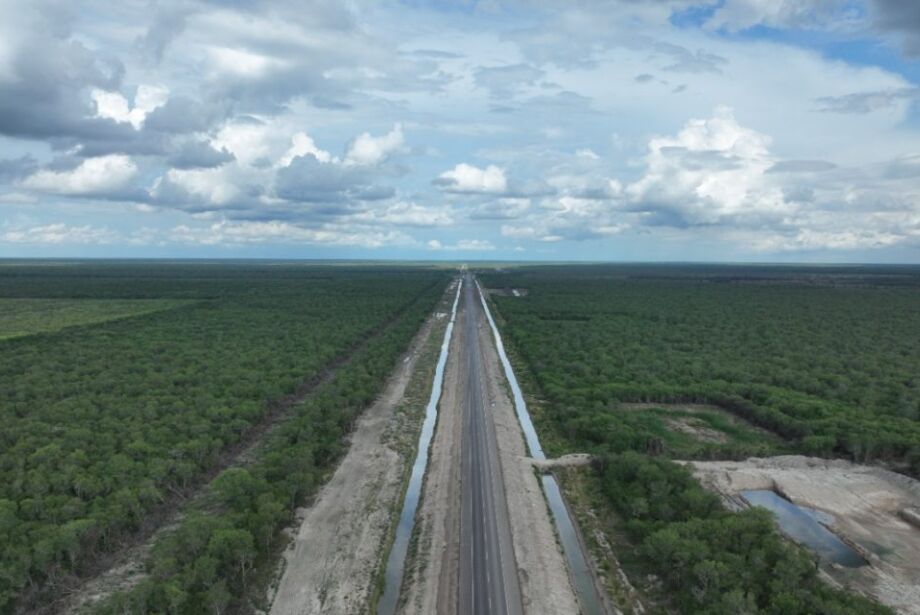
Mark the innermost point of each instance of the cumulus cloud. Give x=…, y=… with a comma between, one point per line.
x=368, y=150
x=113, y=105
x=308, y=179
x=711, y=170
x=571, y=218
x=301, y=145
x=44, y=75
x=719, y=176
x=468, y=179
x=93, y=176
x=197, y=154
x=197, y=189
x=501, y=209
x=13, y=169
x=404, y=214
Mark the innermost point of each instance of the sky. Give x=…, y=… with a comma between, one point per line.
x=624, y=130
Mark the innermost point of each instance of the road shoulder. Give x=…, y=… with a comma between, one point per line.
x=542, y=570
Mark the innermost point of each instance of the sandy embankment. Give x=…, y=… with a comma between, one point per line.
x=432, y=566
x=542, y=569
x=431, y=579
x=332, y=562
x=865, y=506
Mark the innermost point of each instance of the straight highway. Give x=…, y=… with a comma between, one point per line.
x=488, y=573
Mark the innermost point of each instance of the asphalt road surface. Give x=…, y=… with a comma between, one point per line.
x=488, y=573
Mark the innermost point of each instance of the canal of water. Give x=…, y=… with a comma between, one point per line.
x=397, y=559
x=582, y=576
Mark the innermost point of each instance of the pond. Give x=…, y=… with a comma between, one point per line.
x=805, y=527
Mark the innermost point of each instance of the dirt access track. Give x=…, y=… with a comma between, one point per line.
x=869, y=508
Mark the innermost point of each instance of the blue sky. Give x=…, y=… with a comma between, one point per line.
x=730, y=130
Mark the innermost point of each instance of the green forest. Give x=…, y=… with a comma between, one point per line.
x=106, y=424
x=825, y=359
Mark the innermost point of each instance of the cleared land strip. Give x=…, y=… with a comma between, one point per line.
x=339, y=547
x=433, y=573
x=122, y=568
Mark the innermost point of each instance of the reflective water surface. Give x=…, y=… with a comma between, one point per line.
x=804, y=527
x=571, y=546
x=397, y=558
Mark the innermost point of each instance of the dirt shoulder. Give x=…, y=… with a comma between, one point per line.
x=332, y=562
x=864, y=505
x=432, y=565
x=542, y=569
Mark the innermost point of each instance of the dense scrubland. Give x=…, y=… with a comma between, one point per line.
x=104, y=423
x=825, y=358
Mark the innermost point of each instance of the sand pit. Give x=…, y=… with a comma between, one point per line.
x=869, y=508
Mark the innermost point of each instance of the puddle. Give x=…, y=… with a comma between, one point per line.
x=397, y=558
x=582, y=578
x=805, y=527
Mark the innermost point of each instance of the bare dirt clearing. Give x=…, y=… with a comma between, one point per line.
x=866, y=506
x=573, y=459
x=697, y=429
x=691, y=409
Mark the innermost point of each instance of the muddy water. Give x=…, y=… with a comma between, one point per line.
x=397, y=558
x=804, y=526
x=582, y=577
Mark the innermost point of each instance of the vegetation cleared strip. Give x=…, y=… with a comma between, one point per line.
x=209, y=562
